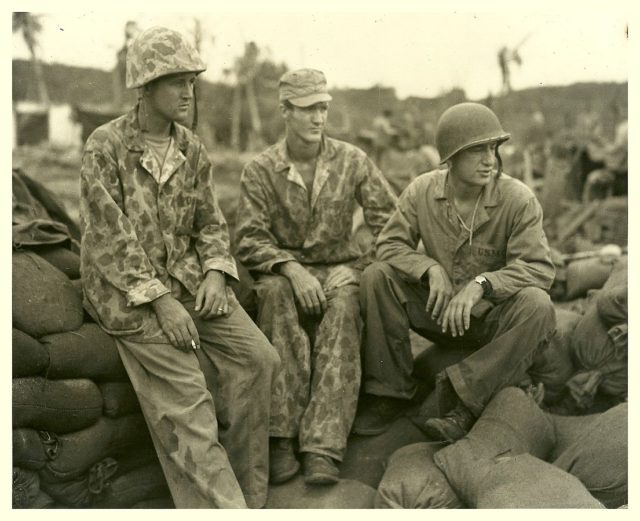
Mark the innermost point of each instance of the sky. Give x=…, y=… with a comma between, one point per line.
x=420, y=49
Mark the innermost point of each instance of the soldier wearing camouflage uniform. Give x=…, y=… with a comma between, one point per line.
x=294, y=226
x=154, y=260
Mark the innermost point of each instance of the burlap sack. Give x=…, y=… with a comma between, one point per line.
x=44, y=299
x=77, y=451
x=28, y=450
x=520, y=481
x=119, y=399
x=141, y=484
x=554, y=365
x=599, y=456
x=59, y=406
x=87, y=352
x=29, y=357
x=412, y=480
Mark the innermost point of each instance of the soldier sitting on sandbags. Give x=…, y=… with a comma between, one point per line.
x=480, y=283
x=155, y=262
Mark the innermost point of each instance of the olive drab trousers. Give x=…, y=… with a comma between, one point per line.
x=208, y=410
x=316, y=389
x=506, y=339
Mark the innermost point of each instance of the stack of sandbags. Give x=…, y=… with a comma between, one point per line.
x=584, y=366
x=600, y=345
x=516, y=456
x=79, y=438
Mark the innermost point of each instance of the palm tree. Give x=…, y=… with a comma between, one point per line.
x=29, y=25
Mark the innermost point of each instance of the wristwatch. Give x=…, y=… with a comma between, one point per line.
x=486, y=285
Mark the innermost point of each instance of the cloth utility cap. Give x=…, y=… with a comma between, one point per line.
x=465, y=125
x=304, y=87
x=157, y=52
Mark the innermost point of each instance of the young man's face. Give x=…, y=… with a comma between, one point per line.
x=170, y=96
x=475, y=165
x=307, y=123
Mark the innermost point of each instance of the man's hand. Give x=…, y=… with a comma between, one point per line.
x=440, y=292
x=306, y=288
x=176, y=323
x=457, y=315
x=341, y=276
x=211, y=298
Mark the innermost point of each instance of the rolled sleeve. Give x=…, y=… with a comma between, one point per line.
x=146, y=292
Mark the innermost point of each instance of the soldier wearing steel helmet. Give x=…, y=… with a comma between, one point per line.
x=479, y=284
x=155, y=260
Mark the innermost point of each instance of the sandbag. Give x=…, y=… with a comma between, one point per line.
x=67, y=261
x=26, y=490
x=612, y=305
x=594, y=349
x=87, y=352
x=512, y=423
x=412, y=480
x=520, y=481
x=346, y=494
x=28, y=449
x=76, y=452
x=147, y=482
x=568, y=430
x=598, y=456
x=82, y=491
x=44, y=300
x=586, y=274
x=553, y=366
x=59, y=406
x=119, y=399
x=29, y=357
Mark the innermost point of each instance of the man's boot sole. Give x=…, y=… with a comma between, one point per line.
x=283, y=477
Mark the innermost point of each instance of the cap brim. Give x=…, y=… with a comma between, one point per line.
x=307, y=101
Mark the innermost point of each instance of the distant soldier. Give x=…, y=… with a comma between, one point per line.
x=295, y=220
x=384, y=134
x=479, y=283
x=155, y=262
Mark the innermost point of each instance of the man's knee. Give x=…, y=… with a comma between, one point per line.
x=537, y=303
x=271, y=288
x=264, y=358
x=376, y=275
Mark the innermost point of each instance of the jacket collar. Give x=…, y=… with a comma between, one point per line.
x=283, y=162
x=134, y=140
x=491, y=194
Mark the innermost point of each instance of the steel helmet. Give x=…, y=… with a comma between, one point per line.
x=159, y=51
x=465, y=125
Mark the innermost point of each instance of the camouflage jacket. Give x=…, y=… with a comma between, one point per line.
x=141, y=240
x=508, y=247
x=279, y=221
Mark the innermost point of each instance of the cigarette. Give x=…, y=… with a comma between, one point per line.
x=193, y=344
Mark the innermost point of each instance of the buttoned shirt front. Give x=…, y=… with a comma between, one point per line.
x=279, y=220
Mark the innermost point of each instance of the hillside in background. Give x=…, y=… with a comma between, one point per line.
x=352, y=110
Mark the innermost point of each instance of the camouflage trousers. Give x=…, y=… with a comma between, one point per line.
x=316, y=390
x=208, y=410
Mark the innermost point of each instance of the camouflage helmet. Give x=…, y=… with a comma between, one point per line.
x=465, y=125
x=159, y=51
